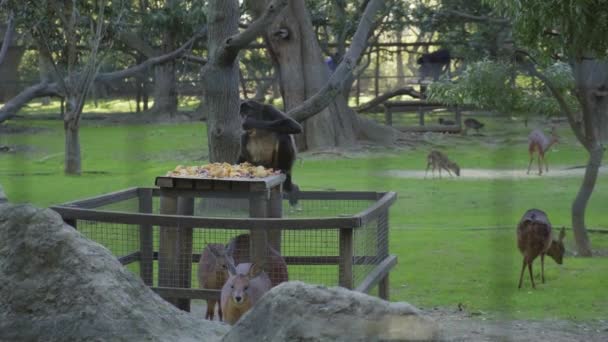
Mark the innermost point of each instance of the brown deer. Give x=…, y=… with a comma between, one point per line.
x=275, y=266
x=246, y=285
x=534, y=238
x=472, y=123
x=538, y=142
x=213, y=273
x=440, y=161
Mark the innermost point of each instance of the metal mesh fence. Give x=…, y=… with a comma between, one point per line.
x=197, y=257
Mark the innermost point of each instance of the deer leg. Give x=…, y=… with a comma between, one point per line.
x=521, y=275
x=428, y=165
x=210, y=310
x=540, y=164
x=542, y=267
x=219, y=310
x=531, y=276
x=440, y=172
x=530, y=164
x=546, y=165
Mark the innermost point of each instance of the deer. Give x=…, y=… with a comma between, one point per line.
x=213, y=273
x=245, y=286
x=539, y=143
x=534, y=238
x=276, y=265
x=440, y=161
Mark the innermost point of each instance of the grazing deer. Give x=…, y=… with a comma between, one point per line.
x=275, y=264
x=213, y=272
x=246, y=285
x=534, y=238
x=440, y=161
x=443, y=121
x=474, y=124
x=538, y=142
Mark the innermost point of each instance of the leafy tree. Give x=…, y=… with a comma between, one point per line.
x=572, y=31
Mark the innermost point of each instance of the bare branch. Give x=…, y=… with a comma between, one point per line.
x=132, y=71
x=234, y=44
x=334, y=86
x=380, y=99
x=8, y=36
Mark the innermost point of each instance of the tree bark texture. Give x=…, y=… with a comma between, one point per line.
x=8, y=37
x=221, y=81
x=303, y=72
x=165, y=86
x=72, y=146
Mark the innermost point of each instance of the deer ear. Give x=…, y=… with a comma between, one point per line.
x=562, y=234
x=255, y=270
x=231, y=267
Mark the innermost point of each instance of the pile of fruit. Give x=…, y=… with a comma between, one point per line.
x=223, y=170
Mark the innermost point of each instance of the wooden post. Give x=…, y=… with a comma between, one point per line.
x=345, y=267
x=421, y=116
x=168, y=249
x=382, y=250
x=258, y=207
x=275, y=209
x=458, y=116
x=388, y=115
x=146, y=252
x=185, y=206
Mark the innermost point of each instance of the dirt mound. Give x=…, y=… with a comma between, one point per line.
x=58, y=285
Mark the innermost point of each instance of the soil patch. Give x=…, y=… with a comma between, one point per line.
x=491, y=174
x=464, y=326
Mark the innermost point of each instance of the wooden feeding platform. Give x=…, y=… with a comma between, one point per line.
x=177, y=198
x=421, y=108
x=339, y=238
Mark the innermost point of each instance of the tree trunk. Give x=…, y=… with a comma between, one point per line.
x=302, y=72
x=591, y=80
x=72, y=146
x=165, y=87
x=221, y=82
x=165, y=91
x=400, y=70
x=582, y=198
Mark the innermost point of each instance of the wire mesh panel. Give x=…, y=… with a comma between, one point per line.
x=121, y=239
x=181, y=254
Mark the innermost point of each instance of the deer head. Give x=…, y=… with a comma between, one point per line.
x=556, y=251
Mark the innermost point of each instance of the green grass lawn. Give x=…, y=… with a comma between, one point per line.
x=444, y=257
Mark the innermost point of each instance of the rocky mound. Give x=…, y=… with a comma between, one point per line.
x=58, y=285
x=295, y=311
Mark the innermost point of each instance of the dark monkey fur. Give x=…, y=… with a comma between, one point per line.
x=267, y=141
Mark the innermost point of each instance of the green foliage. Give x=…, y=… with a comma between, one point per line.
x=497, y=86
x=573, y=27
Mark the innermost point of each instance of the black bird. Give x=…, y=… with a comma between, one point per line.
x=474, y=124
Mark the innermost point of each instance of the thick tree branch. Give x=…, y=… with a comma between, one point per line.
x=11, y=107
x=334, y=86
x=380, y=99
x=8, y=37
x=234, y=44
x=527, y=63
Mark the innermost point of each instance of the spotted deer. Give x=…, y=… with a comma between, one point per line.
x=539, y=143
x=438, y=160
x=534, y=238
